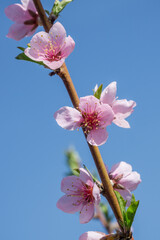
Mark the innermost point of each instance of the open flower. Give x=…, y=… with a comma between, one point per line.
x=81, y=194
x=102, y=236
x=124, y=180
x=121, y=108
x=51, y=48
x=93, y=236
x=92, y=116
x=25, y=17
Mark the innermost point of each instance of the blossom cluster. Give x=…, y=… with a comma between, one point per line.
x=82, y=193
x=94, y=115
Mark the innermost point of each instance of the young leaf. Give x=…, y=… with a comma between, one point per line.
x=121, y=201
x=131, y=211
x=47, y=12
x=59, y=6
x=97, y=94
x=73, y=161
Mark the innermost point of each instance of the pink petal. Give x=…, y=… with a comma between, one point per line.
x=69, y=204
x=57, y=35
x=25, y=3
x=18, y=31
x=97, y=137
x=68, y=47
x=92, y=236
x=16, y=13
x=105, y=114
x=121, y=168
x=96, y=194
x=31, y=5
x=123, y=107
x=121, y=122
x=131, y=181
x=86, y=213
x=84, y=175
x=70, y=184
x=37, y=49
x=55, y=64
x=109, y=93
x=31, y=32
x=68, y=118
x=88, y=104
x=126, y=194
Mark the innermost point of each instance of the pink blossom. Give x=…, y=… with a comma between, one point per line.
x=124, y=180
x=92, y=116
x=121, y=108
x=93, y=236
x=81, y=195
x=25, y=17
x=51, y=48
x=102, y=236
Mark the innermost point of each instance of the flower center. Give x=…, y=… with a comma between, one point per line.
x=87, y=193
x=90, y=121
x=84, y=193
x=115, y=181
x=51, y=56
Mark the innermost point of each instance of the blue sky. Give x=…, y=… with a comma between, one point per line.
x=116, y=40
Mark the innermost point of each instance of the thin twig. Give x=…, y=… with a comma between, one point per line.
x=64, y=75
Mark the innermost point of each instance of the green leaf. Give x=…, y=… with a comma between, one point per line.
x=22, y=56
x=73, y=161
x=59, y=6
x=122, y=204
x=97, y=94
x=131, y=211
x=121, y=201
x=47, y=12
x=21, y=48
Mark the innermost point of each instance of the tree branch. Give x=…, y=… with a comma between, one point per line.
x=64, y=75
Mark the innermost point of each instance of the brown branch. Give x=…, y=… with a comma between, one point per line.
x=64, y=75
x=44, y=20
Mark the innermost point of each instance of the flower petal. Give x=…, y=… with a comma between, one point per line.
x=55, y=64
x=68, y=118
x=121, y=122
x=70, y=184
x=30, y=5
x=123, y=107
x=109, y=93
x=25, y=3
x=69, y=204
x=121, y=168
x=105, y=114
x=68, y=47
x=88, y=104
x=96, y=194
x=131, y=181
x=38, y=45
x=84, y=175
x=97, y=137
x=18, y=31
x=16, y=13
x=57, y=35
x=92, y=236
x=86, y=213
